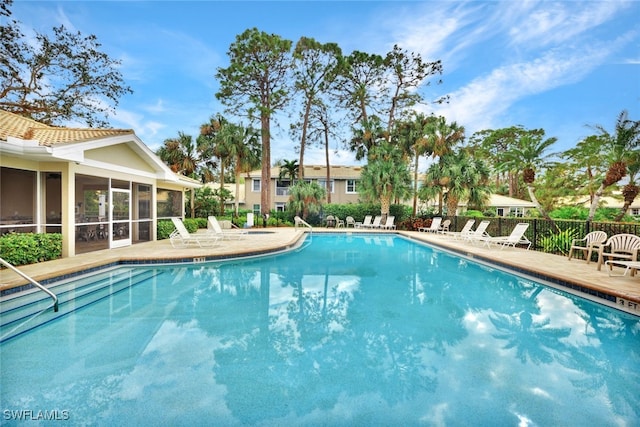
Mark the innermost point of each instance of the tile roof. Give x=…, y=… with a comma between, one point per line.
x=14, y=125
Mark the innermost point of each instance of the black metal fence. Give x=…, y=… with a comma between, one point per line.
x=548, y=236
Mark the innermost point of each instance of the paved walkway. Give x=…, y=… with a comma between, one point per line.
x=577, y=273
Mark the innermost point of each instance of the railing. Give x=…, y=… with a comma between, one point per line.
x=301, y=222
x=549, y=236
x=33, y=282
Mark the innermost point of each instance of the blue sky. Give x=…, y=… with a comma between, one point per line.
x=559, y=66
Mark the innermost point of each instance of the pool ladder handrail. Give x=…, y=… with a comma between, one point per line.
x=299, y=221
x=33, y=282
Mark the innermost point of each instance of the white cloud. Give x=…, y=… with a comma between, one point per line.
x=553, y=23
x=485, y=100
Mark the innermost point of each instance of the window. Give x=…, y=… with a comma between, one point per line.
x=518, y=212
x=18, y=195
x=281, y=206
x=255, y=185
x=323, y=183
x=500, y=211
x=256, y=209
x=282, y=187
x=352, y=188
x=635, y=211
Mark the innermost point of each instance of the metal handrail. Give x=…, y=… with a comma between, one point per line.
x=297, y=220
x=33, y=282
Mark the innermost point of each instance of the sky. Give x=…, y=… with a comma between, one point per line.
x=561, y=66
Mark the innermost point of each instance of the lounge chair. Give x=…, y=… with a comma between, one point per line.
x=214, y=228
x=435, y=225
x=376, y=222
x=366, y=223
x=479, y=233
x=588, y=243
x=620, y=246
x=629, y=265
x=181, y=238
x=464, y=232
x=389, y=223
x=351, y=222
x=516, y=237
x=444, y=227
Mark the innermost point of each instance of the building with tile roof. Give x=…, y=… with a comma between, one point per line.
x=100, y=188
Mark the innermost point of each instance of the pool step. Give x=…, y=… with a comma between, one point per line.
x=25, y=312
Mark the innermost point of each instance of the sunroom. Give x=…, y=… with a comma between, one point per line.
x=99, y=188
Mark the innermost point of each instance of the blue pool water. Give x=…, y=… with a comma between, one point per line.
x=349, y=330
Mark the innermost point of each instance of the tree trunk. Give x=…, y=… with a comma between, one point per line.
x=535, y=201
x=265, y=194
x=594, y=202
x=415, y=187
x=303, y=141
x=385, y=204
x=326, y=155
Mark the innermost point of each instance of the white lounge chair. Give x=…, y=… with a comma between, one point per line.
x=376, y=222
x=620, y=246
x=389, y=223
x=588, y=243
x=214, y=228
x=464, y=232
x=435, y=225
x=181, y=238
x=444, y=227
x=516, y=237
x=479, y=233
x=366, y=223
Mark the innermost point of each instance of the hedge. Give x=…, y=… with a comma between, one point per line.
x=29, y=248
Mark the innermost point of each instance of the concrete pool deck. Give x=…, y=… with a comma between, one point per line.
x=623, y=292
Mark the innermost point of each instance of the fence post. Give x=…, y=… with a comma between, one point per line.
x=535, y=232
x=587, y=226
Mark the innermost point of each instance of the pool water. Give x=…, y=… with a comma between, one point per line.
x=349, y=330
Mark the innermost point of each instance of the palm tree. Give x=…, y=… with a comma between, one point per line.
x=631, y=190
x=528, y=154
x=619, y=149
x=243, y=145
x=412, y=135
x=587, y=156
x=305, y=198
x=458, y=176
x=180, y=154
x=289, y=169
x=189, y=159
x=385, y=177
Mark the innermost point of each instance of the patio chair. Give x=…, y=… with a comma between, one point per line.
x=331, y=221
x=628, y=265
x=376, y=222
x=350, y=222
x=389, y=223
x=516, y=237
x=435, y=225
x=444, y=227
x=464, y=232
x=621, y=247
x=181, y=238
x=366, y=223
x=479, y=233
x=339, y=222
x=588, y=243
x=213, y=226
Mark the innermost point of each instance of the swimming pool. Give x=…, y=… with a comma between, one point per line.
x=349, y=330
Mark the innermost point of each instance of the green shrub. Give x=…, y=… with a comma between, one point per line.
x=560, y=242
x=30, y=248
